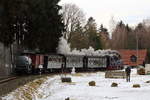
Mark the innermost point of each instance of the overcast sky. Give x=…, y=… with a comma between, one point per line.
x=129, y=11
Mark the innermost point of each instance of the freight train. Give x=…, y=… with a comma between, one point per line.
x=37, y=62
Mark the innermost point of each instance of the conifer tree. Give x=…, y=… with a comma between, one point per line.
x=92, y=34
x=34, y=24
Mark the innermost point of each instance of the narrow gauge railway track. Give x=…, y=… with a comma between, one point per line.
x=10, y=84
x=7, y=79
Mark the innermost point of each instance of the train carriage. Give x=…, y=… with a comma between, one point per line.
x=54, y=62
x=96, y=62
x=74, y=61
x=37, y=62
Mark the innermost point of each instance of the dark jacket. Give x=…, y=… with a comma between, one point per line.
x=128, y=70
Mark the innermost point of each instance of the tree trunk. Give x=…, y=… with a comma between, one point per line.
x=11, y=58
x=4, y=60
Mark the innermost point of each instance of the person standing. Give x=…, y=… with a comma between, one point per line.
x=128, y=72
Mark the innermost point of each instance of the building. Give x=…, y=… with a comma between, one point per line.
x=133, y=57
x=5, y=62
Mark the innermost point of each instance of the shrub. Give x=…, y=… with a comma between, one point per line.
x=67, y=98
x=147, y=81
x=141, y=71
x=136, y=85
x=92, y=83
x=114, y=85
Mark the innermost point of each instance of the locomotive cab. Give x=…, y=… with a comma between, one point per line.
x=23, y=64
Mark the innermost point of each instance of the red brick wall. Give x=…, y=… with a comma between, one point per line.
x=126, y=56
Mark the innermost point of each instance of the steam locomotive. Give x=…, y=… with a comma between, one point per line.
x=37, y=62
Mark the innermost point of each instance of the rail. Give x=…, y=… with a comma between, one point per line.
x=7, y=79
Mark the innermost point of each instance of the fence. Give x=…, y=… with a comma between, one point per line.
x=115, y=74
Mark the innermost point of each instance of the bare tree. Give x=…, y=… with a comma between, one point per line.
x=142, y=36
x=119, y=36
x=112, y=24
x=72, y=15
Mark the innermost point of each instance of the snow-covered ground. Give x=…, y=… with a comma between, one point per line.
x=54, y=89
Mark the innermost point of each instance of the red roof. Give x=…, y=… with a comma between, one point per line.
x=127, y=54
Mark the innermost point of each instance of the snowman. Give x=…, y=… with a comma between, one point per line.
x=73, y=71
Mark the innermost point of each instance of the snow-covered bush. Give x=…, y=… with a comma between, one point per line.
x=92, y=83
x=114, y=85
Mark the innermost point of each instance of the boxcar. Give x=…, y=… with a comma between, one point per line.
x=37, y=62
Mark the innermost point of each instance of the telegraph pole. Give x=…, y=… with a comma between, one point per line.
x=137, y=46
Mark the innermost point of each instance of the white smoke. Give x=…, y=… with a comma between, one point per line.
x=64, y=48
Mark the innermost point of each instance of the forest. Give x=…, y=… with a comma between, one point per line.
x=39, y=25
